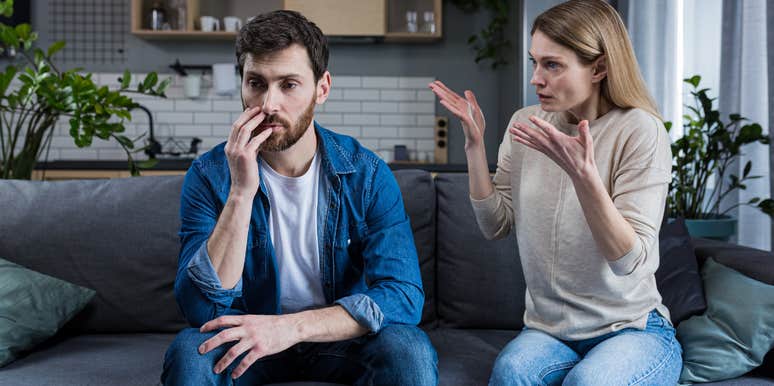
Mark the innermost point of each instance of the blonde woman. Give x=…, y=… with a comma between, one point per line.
x=582, y=180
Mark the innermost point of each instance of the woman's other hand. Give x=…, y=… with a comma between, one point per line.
x=575, y=155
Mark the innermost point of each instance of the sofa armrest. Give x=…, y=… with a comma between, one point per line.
x=755, y=263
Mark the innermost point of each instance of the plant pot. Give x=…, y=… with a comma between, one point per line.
x=721, y=228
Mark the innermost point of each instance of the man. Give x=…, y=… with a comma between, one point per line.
x=297, y=258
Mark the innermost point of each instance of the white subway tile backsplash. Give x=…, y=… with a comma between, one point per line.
x=399, y=95
x=216, y=118
x=425, y=145
x=416, y=107
x=370, y=144
x=174, y=117
x=425, y=96
x=400, y=120
x=352, y=131
x=380, y=107
x=117, y=154
x=380, y=111
x=76, y=153
x=328, y=120
x=154, y=104
x=380, y=132
x=335, y=94
x=426, y=120
x=193, y=105
x=193, y=130
x=361, y=95
x=345, y=82
x=389, y=144
x=342, y=107
x=227, y=106
x=360, y=119
x=380, y=82
x=414, y=82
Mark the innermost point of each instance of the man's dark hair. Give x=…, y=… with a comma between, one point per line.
x=274, y=31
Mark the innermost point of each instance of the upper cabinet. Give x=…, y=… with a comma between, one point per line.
x=391, y=20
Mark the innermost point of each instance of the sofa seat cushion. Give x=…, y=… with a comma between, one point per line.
x=466, y=357
x=110, y=359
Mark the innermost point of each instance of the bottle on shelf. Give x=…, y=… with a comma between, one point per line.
x=157, y=17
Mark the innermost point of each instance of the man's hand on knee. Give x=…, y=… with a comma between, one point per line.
x=257, y=335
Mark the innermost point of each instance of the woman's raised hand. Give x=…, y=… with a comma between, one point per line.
x=466, y=109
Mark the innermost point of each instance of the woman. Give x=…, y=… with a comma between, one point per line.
x=582, y=179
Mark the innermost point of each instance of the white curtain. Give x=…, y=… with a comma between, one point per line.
x=657, y=40
x=744, y=90
x=770, y=65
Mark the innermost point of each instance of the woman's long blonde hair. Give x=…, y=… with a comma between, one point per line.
x=592, y=28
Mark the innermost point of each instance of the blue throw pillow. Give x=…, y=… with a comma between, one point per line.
x=33, y=306
x=734, y=334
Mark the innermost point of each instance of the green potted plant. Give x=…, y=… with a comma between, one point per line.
x=35, y=94
x=707, y=149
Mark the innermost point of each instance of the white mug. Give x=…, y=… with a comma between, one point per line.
x=192, y=86
x=209, y=23
x=232, y=23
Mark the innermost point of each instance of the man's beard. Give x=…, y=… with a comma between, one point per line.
x=283, y=141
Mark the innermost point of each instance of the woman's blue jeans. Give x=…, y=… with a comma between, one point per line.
x=628, y=357
x=397, y=355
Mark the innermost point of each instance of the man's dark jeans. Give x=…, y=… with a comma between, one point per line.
x=397, y=355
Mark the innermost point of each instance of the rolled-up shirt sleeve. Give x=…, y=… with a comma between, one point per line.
x=364, y=310
x=202, y=273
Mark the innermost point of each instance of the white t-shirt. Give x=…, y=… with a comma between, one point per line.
x=293, y=229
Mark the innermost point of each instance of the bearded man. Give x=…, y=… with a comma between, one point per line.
x=297, y=260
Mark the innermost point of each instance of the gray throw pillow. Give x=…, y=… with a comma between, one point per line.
x=33, y=307
x=734, y=334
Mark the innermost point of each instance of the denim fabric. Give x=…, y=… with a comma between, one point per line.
x=652, y=356
x=397, y=355
x=368, y=262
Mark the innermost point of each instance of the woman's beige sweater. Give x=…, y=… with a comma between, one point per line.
x=573, y=292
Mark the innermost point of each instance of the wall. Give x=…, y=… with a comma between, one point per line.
x=449, y=59
x=380, y=111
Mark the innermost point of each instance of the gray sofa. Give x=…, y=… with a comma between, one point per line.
x=119, y=237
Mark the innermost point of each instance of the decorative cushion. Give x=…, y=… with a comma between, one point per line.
x=678, y=276
x=734, y=334
x=33, y=307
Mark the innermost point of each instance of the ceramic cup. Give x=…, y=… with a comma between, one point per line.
x=232, y=23
x=192, y=86
x=209, y=23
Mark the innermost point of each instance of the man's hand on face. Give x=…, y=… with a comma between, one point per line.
x=242, y=151
x=258, y=335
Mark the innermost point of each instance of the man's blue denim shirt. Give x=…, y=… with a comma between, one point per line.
x=368, y=261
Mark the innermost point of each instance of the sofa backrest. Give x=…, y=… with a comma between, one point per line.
x=480, y=283
x=419, y=198
x=118, y=237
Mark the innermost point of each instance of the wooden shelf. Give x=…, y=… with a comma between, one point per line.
x=409, y=37
x=184, y=35
x=371, y=18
